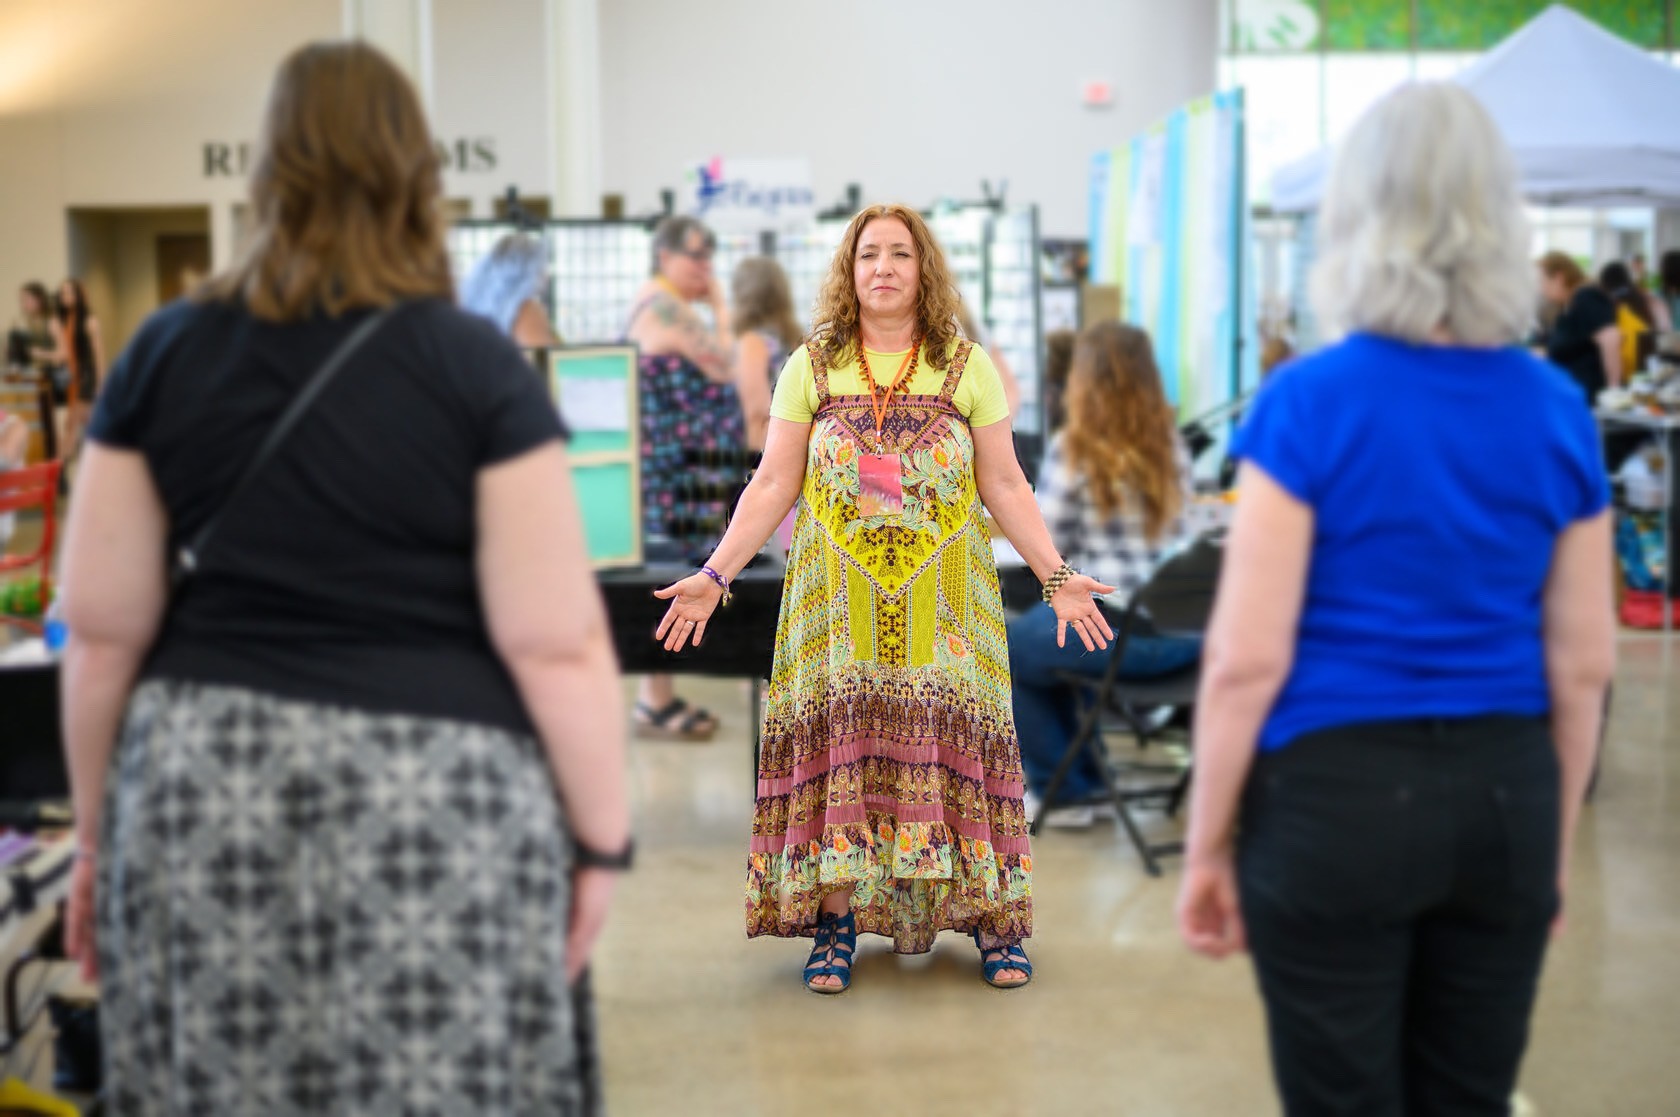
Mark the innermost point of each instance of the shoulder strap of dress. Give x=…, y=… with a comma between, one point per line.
x=959, y=361
x=819, y=369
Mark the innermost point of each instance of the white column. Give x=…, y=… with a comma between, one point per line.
x=574, y=69
x=223, y=234
x=1667, y=233
x=400, y=28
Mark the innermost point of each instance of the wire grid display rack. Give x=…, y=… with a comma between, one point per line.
x=596, y=267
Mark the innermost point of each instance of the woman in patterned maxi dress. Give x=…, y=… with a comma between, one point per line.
x=889, y=785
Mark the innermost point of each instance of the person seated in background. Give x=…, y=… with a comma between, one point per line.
x=1113, y=490
x=766, y=331
x=1638, y=315
x=1058, y=358
x=507, y=288
x=1584, y=339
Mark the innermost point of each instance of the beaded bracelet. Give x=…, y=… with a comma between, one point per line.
x=1057, y=580
x=722, y=582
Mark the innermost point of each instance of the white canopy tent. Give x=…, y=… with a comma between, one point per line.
x=1591, y=118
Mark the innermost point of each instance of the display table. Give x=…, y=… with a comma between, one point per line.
x=1665, y=428
x=32, y=883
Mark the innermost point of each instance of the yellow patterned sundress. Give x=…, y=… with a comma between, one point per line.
x=889, y=757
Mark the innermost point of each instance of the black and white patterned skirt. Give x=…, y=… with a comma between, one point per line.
x=307, y=909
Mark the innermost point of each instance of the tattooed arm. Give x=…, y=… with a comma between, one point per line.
x=671, y=326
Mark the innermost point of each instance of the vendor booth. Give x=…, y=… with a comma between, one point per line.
x=1586, y=116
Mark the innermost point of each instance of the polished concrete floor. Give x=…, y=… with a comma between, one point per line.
x=1121, y=1019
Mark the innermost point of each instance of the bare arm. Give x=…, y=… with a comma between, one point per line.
x=60, y=352
x=1008, y=497
x=1004, y=491
x=752, y=384
x=1248, y=655
x=770, y=495
x=548, y=625
x=1580, y=640
x=1609, y=341
x=531, y=327
x=1011, y=386
x=114, y=585
x=1249, y=652
x=672, y=326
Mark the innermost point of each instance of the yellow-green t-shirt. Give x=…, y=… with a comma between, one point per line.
x=979, y=399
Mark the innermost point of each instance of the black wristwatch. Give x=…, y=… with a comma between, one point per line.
x=585, y=858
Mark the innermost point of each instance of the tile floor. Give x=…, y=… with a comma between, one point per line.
x=1121, y=1020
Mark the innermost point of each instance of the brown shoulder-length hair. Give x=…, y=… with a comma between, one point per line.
x=835, y=325
x=1121, y=432
x=344, y=192
x=1562, y=265
x=759, y=290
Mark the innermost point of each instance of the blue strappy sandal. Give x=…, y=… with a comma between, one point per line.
x=831, y=953
x=1011, y=956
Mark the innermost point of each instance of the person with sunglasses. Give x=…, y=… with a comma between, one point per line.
x=692, y=427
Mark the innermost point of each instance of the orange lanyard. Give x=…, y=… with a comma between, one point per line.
x=879, y=402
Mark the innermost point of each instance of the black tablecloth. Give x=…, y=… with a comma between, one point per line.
x=740, y=640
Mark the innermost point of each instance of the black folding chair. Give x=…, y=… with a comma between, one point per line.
x=1176, y=601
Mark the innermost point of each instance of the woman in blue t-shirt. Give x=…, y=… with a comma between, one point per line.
x=1406, y=669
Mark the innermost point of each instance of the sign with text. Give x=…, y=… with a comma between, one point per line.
x=750, y=195
x=469, y=154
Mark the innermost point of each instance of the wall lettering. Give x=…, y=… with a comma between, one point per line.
x=226, y=160
x=468, y=155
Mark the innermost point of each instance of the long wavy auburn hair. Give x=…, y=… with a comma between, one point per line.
x=1120, y=434
x=344, y=191
x=836, y=314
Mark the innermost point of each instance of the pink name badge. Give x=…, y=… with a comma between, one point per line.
x=880, y=485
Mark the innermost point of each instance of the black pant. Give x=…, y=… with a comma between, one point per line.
x=1398, y=883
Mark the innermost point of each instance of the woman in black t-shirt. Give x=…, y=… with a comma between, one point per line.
x=1584, y=339
x=322, y=789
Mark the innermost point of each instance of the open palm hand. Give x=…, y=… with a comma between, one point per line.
x=1076, y=607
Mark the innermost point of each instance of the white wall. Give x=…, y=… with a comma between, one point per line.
x=490, y=79
x=108, y=103
x=913, y=99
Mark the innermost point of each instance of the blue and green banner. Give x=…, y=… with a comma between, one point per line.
x=1167, y=227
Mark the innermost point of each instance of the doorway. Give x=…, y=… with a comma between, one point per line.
x=133, y=259
x=183, y=262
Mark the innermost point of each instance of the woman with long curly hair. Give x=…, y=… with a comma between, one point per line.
x=1113, y=488
x=889, y=784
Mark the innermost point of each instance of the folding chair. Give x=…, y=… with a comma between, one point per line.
x=34, y=486
x=1176, y=601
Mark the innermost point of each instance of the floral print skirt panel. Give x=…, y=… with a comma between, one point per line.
x=693, y=434
x=890, y=762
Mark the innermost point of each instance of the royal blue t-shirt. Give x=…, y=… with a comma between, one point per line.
x=1440, y=479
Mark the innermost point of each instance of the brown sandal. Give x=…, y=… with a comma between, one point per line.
x=676, y=722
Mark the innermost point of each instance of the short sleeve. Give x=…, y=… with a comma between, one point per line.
x=518, y=414
x=1276, y=434
x=1589, y=491
x=122, y=413
x=1594, y=311
x=980, y=396
x=796, y=399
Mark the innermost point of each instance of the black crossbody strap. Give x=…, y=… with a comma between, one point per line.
x=191, y=555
